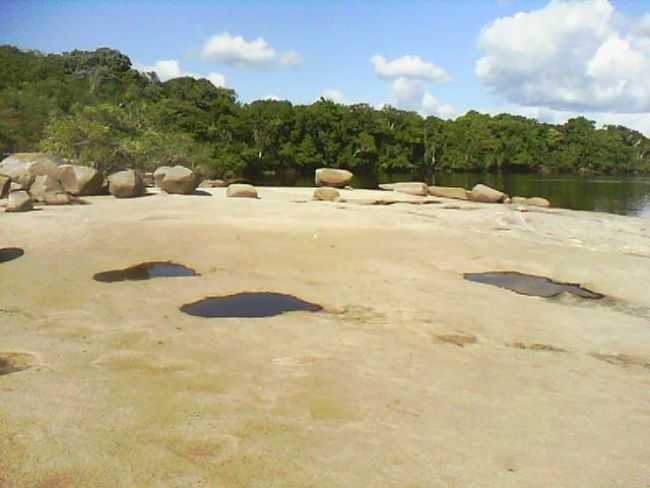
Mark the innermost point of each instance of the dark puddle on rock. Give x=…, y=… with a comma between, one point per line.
x=146, y=271
x=248, y=305
x=13, y=362
x=531, y=285
x=10, y=253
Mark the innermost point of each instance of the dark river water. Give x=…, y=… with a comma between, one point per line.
x=625, y=195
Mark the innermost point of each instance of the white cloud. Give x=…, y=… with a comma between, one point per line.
x=272, y=97
x=336, y=96
x=408, y=66
x=431, y=106
x=572, y=55
x=407, y=90
x=237, y=51
x=168, y=69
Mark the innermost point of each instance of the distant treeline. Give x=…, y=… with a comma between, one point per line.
x=94, y=107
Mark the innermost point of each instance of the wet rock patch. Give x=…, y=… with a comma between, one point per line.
x=10, y=253
x=146, y=271
x=248, y=305
x=531, y=285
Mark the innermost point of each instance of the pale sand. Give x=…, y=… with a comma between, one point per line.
x=385, y=388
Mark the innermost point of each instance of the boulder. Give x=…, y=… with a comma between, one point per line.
x=326, y=194
x=19, y=201
x=22, y=168
x=178, y=179
x=44, y=185
x=5, y=185
x=448, y=192
x=80, y=180
x=13, y=186
x=212, y=184
x=148, y=179
x=126, y=184
x=337, y=178
x=410, y=188
x=538, y=202
x=485, y=194
x=159, y=174
x=518, y=200
x=240, y=190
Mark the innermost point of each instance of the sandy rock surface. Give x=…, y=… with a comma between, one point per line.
x=410, y=377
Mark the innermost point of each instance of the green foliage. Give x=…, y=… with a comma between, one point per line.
x=93, y=107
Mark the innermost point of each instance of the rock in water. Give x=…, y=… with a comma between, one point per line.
x=5, y=185
x=159, y=174
x=212, y=184
x=326, y=194
x=22, y=168
x=126, y=184
x=337, y=178
x=19, y=201
x=448, y=192
x=80, y=180
x=178, y=179
x=44, y=185
x=485, y=194
x=410, y=188
x=240, y=190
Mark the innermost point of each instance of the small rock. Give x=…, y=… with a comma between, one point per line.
x=240, y=190
x=212, y=184
x=538, y=202
x=326, y=194
x=179, y=180
x=126, y=184
x=410, y=188
x=485, y=194
x=80, y=180
x=337, y=178
x=19, y=201
x=59, y=198
x=455, y=192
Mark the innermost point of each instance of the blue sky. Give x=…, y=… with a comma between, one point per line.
x=547, y=59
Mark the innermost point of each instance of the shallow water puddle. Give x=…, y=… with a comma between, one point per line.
x=262, y=304
x=531, y=285
x=10, y=253
x=145, y=271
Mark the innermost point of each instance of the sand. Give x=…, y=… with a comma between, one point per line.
x=410, y=377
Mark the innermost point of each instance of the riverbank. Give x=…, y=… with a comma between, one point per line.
x=410, y=376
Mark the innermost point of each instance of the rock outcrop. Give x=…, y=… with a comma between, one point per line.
x=415, y=188
x=178, y=179
x=80, y=180
x=326, y=194
x=240, y=190
x=19, y=201
x=455, y=192
x=337, y=178
x=485, y=194
x=126, y=184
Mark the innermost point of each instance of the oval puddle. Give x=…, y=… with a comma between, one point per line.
x=531, y=285
x=248, y=305
x=145, y=271
x=10, y=253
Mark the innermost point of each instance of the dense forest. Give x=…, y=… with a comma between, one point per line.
x=92, y=106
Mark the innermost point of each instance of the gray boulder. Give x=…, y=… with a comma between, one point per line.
x=19, y=201
x=44, y=185
x=22, y=168
x=410, y=188
x=337, y=178
x=448, y=192
x=485, y=194
x=159, y=174
x=240, y=190
x=80, y=180
x=326, y=194
x=179, y=179
x=126, y=184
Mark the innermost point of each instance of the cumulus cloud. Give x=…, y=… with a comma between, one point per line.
x=167, y=69
x=408, y=66
x=431, y=106
x=237, y=51
x=572, y=55
x=272, y=97
x=336, y=96
x=407, y=90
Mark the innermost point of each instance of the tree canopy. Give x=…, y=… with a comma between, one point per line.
x=92, y=106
